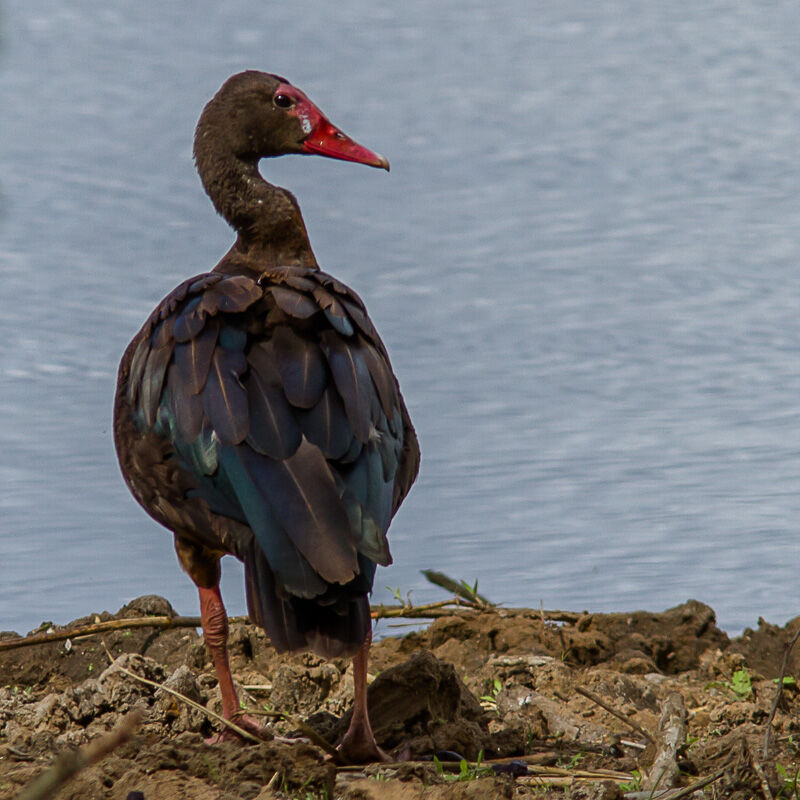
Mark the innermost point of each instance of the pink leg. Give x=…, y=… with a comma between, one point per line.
x=215, y=630
x=359, y=745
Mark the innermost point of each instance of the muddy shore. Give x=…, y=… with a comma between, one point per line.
x=532, y=698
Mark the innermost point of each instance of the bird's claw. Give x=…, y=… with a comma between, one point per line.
x=358, y=750
x=246, y=723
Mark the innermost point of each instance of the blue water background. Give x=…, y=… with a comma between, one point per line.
x=585, y=263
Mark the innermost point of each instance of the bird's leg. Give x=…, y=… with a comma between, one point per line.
x=359, y=745
x=214, y=619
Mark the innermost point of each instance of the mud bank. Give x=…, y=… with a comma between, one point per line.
x=602, y=707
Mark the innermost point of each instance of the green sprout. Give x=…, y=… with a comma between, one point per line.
x=465, y=771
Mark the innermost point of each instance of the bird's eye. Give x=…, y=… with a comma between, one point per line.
x=283, y=101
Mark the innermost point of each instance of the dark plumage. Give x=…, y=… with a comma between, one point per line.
x=257, y=413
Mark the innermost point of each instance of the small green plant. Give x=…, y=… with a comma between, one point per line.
x=489, y=701
x=633, y=785
x=471, y=592
x=465, y=771
x=44, y=627
x=322, y=794
x=304, y=793
x=788, y=680
x=740, y=684
x=790, y=782
x=529, y=739
x=573, y=762
x=403, y=601
x=459, y=588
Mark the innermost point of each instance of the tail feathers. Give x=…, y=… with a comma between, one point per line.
x=334, y=630
x=264, y=605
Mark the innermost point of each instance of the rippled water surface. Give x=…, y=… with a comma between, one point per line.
x=585, y=263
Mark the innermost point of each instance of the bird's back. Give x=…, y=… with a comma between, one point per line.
x=261, y=417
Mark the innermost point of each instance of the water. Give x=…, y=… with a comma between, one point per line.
x=584, y=263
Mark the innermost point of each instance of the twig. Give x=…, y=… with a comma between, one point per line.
x=73, y=761
x=629, y=722
x=533, y=770
x=183, y=698
x=461, y=608
x=273, y=781
x=587, y=774
x=316, y=739
x=759, y=770
x=19, y=755
x=454, y=607
x=304, y=728
x=409, y=612
x=779, y=694
x=686, y=791
x=635, y=745
x=671, y=735
x=104, y=627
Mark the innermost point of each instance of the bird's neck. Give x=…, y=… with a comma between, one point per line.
x=267, y=218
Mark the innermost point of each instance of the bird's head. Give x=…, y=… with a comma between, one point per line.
x=263, y=115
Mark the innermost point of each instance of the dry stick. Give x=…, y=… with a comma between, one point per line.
x=195, y=622
x=104, y=627
x=460, y=608
x=691, y=789
x=784, y=665
x=273, y=781
x=533, y=771
x=73, y=761
x=19, y=755
x=529, y=760
x=759, y=770
x=233, y=726
x=629, y=722
x=671, y=735
x=443, y=608
x=635, y=745
x=304, y=728
x=386, y=612
x=586, y=774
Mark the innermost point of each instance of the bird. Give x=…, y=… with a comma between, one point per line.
x=257, y=413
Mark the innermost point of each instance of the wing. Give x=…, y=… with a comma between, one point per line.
x=279, y=399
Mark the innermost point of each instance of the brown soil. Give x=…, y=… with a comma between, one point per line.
x=670, y=674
